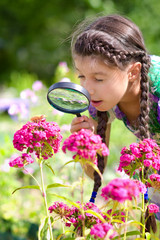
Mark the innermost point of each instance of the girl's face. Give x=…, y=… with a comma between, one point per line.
x=108, y=86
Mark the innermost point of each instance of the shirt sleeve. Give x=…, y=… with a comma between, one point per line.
x=154, y=75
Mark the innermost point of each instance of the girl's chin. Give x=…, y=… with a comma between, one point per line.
x=102, y=109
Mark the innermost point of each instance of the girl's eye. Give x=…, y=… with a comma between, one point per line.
x=99, y=80
x=80, y=76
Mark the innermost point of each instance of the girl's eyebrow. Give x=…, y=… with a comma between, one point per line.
x=99, y=73
x=94, y=73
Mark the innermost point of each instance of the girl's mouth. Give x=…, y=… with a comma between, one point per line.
x=96, y=103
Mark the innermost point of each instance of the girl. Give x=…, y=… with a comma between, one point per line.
x=122, y=79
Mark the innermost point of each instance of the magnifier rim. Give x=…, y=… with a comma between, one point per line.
x=72, y=86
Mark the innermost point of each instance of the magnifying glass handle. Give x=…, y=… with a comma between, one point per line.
x=78, y=114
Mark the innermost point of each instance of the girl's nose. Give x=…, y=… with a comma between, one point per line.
x=91, y=91
x=89, y=87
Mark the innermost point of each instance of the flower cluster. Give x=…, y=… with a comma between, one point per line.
x=21, y=161
x=145, y=153
x=122, y=189
x=154, y=181
x=61, y=209
x=73, y=215
x=38, y=136
x=153, y=208
x=101, y=230
x=86, y=145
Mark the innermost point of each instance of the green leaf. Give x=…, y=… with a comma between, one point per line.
x=117, y=221
x=49, y=166
x=54, y=185
x=137, y=208
x=64, y=235
x=135, y=223
x=96, y=214
x=148, y=236
x=29, y=186
x=132, y=171
x=94, y=167
x=132, y=233
x=70, y=162
x=140, y=239
x=68, y=200
x=43, y=228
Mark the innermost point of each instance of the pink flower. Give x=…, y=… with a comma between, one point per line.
x=141, y=186
x=155, y=181
x=125, y=160
x=38, y=136
x=74, y=216
x=100, y=230
x=60, y=208
x=63, y=67
x=135, y=150
x=28, y=170
x=153, y=208
x=120, y=190
x=21, y=161
x=147, y=163
x=156, y=163
x=29, y=94
x=86, y=145
x=132, y=158
x=37, y=85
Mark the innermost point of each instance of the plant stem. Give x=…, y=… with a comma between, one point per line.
x=143, y=207
x=82, y=204
x=45, y=199
x=33, y=178
x=126, y=219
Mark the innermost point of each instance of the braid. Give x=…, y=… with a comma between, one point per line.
x=144, y=131
x=94, y=43
x=144, y=103
x=101, y=130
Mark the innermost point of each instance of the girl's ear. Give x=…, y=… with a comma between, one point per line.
x=134, y=71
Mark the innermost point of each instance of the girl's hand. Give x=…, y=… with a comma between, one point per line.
x=81, y=122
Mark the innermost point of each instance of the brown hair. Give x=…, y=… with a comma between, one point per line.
x=118, y=42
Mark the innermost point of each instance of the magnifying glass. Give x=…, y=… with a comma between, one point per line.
x=68, y=97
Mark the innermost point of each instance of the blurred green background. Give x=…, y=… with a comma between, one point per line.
x=35, y=34
x=35, y=40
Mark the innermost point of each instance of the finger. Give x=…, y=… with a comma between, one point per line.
x=80, y=119
x=79, y=126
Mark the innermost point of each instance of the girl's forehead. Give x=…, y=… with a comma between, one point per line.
x=91, y=63
x=90, y=60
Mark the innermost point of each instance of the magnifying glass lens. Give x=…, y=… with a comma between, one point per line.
x=68, y=97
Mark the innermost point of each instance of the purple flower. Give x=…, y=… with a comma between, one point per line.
x=37, y=85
